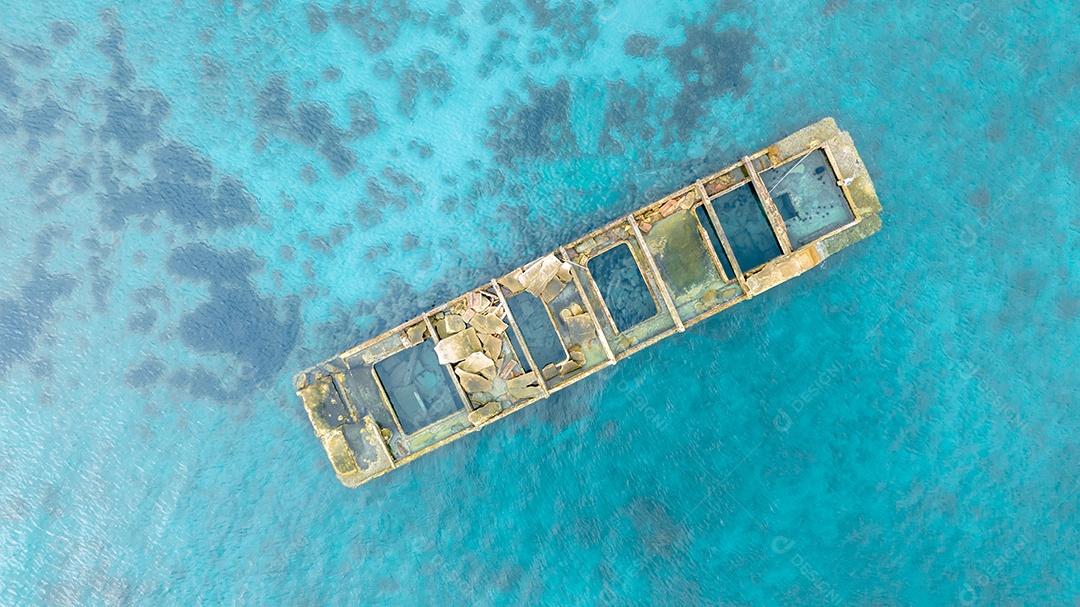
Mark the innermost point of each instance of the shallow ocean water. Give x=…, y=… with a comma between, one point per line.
x=201, y=198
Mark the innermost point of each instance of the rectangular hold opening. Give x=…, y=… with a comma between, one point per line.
x=623, y=287
x=419, y=388
x=714, y=238
x=808, y=198
x=747, y=227
x=537, y=329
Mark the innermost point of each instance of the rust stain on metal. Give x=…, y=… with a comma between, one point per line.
x=480, y=347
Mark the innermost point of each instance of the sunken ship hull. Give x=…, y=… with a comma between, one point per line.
x=541, y=327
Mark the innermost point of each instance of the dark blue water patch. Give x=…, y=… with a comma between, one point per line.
x=43, y=368
x=287, y=253
x=308, y=174
x=152, y=295
x=331, y=74
x=9, y=90
x=101, y=283
x=748, y=230
x=382, y=197
x=367, y=216
x=537, y=329
x=200, y=262
x=421, y=149
x=363, y=121
x=46, y=238
x=419, y=388
x=273, y=102
x=32, y=54
x=499, y=53
x=142, y=323
x=134, y=119
x=710, y=65
x=43, y=120
x=312, y=123
x=640, y=45
x=112, y=47
x=183, y=190
x=202, y=384
x=375, y=23
x=409, y=242
x=377, y=251
x=623, y=287
x=22, y=319
x=628, y=117
x=8, y=127
x=320, y=245
x=236, y=320
x=714, y=239
x=317, y=19
x=62, y=32
x=497, y=10
x=427, y=76
x=145, y=373
x=573, y=23
x=539, y=128
x=212, y=68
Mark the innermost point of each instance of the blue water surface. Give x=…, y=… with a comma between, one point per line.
x=202, y=197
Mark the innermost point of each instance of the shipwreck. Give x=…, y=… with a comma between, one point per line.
x=539, y=328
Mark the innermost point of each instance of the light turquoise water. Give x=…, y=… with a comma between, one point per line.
x=200, y=198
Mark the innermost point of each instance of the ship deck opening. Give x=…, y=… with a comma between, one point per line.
x=623, y=287
x=537, y=329
x=808, y=198
x=419, y=388
x=747, y=227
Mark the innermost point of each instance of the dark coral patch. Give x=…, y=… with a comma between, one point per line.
x=312, y=123
x=183, y=189
x=426, y=76
x=144, y=374
x=362, y=118
x=43, y=120
x=141, y=322
x=376, y=23
x=539, y=128
x=640, y=45
x=32, y=55
x=236, y=320
x=62, y=32
x=9, y=89
x=317, y=19
x=134, y=120
x=572, y=22
x=22, y=319
x=709, y=64
x=112, y=46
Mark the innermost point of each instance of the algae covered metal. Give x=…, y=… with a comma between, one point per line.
x=543, y=326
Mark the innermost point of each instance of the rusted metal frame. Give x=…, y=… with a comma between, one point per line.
x=450, y=370
x=634, y=349
x=714, y=257
x=588, y=308
x=599, y=296
x=346, y=399
x=372, y=425
x=726, y=244
x=664, y=294
x=386, y=401
x=716, y=310
x=840, y=181
x=521, y=337
x=771, y=212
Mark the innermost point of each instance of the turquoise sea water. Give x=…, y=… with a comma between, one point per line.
x=201, y=198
